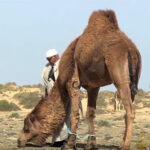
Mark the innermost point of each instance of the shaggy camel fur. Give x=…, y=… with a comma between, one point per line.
x=102, y=55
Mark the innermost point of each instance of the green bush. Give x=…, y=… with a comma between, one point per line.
x=14, y=115
x=8, y=87
x=5, y=106
x=102, y=96
x=10, y=84
x=103, y=123
x=28, y=99
x=1, y=86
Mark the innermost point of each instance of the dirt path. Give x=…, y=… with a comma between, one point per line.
x=108, y=137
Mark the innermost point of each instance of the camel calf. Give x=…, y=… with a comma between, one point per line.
x=44, y=119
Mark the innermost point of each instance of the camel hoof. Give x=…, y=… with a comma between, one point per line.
x=124, y=147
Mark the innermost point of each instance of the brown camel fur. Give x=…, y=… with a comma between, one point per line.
x=102, y=55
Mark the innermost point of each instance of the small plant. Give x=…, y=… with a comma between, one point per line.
x=140, y=95
x=14, y=115
x=103, y=123
x=28, y=99
x=6, y=106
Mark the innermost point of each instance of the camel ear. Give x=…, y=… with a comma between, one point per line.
x=27, y=125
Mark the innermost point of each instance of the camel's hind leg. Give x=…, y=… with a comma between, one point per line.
x=73, y=87
x=130, y=114
x=91, y=108
x=119, y=73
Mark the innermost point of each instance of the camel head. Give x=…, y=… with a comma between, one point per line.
x=44, y=119
x=31, y=132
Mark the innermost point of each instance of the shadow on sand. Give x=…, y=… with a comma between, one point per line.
x=80, y=145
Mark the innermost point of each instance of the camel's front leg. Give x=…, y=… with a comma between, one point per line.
x=91, y=107
x=74, y=94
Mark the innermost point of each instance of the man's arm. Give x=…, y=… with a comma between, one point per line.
x=44, y=77
x=47, y=82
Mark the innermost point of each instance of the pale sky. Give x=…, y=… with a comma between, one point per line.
x=28, y=28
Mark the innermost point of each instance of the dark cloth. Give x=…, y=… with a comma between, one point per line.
x=51, y=74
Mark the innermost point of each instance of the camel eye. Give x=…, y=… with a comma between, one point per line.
x=26, y=130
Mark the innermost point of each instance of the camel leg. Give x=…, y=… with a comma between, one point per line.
x=116, y=104
x=91, y=107
x=119, y=73
x=119, y=106
x=81, y=109
x=130, y=114
x=73, y=87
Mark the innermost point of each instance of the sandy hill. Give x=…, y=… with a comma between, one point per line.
x=14, y=94
x=29, y=95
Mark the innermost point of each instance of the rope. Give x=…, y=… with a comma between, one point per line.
x=78, y=137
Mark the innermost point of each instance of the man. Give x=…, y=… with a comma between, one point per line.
x=50, y=71
x=49, y=76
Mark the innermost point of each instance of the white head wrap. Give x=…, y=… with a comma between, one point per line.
x=51, y=52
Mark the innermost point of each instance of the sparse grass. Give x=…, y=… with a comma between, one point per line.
x=146, y=104
x=147, y=126
x=103, y=123
x=28, y=100
x=120, y=118
x=1, y=119
x=11, y=134
x=5, y=106
x=100, y=111
x=14, y=115
x=147, y=96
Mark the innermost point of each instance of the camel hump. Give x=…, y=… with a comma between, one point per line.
x=110, y=14
x=108, y=17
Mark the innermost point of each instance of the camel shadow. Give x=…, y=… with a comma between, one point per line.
x=38, y=146
x=78, y=145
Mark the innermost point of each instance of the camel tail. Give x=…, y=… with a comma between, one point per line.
x=135, y=72
x=67, y=63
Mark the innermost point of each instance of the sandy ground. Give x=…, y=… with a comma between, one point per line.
x=107, y=137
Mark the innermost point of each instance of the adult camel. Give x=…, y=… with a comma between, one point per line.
x=102, y=55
